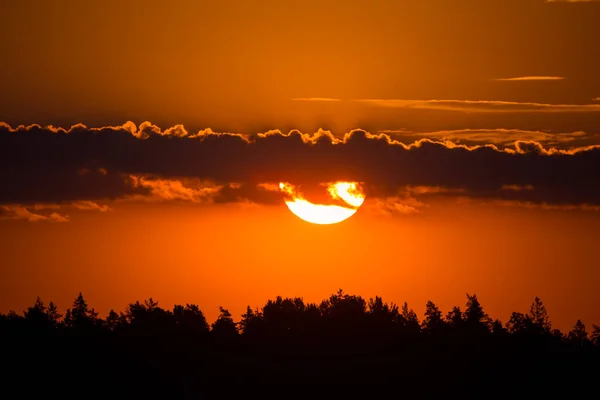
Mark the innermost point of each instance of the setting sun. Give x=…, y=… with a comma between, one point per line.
x=324, y=214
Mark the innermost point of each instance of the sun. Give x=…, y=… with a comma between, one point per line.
x=348, y=196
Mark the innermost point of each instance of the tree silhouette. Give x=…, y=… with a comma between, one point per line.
x=250, y=324
x=344, y=317
x=80, y=316
x=519, y=323
x=190, y=319
x=114, y=321
x=498, y=329
x=224, y=329
x=475, y=318
x=37, y=315
x=578, y=335
x=37, y=311
x=455, y=317
x=410, y=320
x=595, y=337
x=383, y=314
x=558, y=335
x=53, y=315
x=341, y=340
x=283, y=320
x=539, y=316
x=148, y=318
x=433, y=322
x=13, y=316
x=344, y=306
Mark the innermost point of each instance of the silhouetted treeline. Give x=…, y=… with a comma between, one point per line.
x=344, y=342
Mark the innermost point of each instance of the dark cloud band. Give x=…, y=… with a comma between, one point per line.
x=47, y=164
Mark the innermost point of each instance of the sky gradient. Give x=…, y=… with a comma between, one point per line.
x=142, y=145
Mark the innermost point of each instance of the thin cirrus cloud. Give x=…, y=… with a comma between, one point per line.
x=19, y=212
x=168, y=189
x=481, y=106
x=532, y=78
x=82, y=167
x=500, y=137
x=316, y=99
x=48, y=212
x=87, y=205
x=473, y=106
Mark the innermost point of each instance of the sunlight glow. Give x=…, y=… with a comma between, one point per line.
x=348, y=192
x=325, y=214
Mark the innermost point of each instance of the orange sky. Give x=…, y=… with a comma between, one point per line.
x=235, y=256
x=237, y=65
x=123, y=209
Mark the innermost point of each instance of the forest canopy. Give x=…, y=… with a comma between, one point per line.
x=341, y=342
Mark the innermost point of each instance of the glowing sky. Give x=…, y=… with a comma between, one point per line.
x=143, y=143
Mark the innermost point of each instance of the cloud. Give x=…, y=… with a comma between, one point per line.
x=40, y=212
x=596, y=99
x=325, y=99
x=198, y=191
x=481, y=106
x=169, y=189
x=395, y=205
x=500, y=137
x=90, y=206
x=47, y=165
x=407, y=200
x=532, y=78
x=517, y=188
x=17, y=212
x=52, y=180
x=532, y=205
x=571, y=1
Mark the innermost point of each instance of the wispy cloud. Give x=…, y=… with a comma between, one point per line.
x=532, y=78
x=18, y=212
x=596, y=99
x=47, y=211
x=517, y=188
x=481, y=106
x=570, y=1
x=314, y=99
x=395, y=205
x=87, y=205
x=169, y=189
x=544, y=206
x=499, y=136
